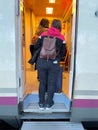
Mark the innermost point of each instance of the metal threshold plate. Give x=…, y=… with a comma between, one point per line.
x=57, y=107
x=51, y=126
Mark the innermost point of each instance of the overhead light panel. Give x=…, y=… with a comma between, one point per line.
x=51, y=1
x=49, y=10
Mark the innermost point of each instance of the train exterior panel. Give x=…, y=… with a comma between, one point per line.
x=85, y=102
x=9, y=62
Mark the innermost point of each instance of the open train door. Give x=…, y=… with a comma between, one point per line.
x=20, y=49
x=73, y=38
x=30, y=102
x=22, y=44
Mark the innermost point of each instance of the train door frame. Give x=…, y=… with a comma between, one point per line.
x=72, y=48
x=21, y=39
x=74, y=2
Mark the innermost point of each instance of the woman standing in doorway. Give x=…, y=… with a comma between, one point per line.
x=48, y=70
x=43, y=26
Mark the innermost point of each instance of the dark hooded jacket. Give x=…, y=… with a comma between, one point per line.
x=60, y=41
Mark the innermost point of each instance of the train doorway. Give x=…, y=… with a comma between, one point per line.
x=30, y=20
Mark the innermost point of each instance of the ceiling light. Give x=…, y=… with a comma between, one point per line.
x=51, y=1
x=49, y=10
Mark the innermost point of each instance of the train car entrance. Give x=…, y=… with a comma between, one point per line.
x=78, y=101
x=30, y=17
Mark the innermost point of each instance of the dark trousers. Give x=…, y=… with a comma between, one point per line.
x=48, y=72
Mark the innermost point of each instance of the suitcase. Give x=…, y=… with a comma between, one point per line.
x=58, y=88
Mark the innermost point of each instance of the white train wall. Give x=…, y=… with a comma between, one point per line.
x=85, y=94
x=10, y=60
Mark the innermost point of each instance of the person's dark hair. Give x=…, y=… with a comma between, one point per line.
x=44, y=23
x=56, y=23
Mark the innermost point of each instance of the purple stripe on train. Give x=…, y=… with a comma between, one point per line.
x=8, y=101
x=85, y=103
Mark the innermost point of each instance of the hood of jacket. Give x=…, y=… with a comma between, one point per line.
x=53, y=32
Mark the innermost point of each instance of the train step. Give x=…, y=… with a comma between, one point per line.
x=51, y=126
x=61, y=104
